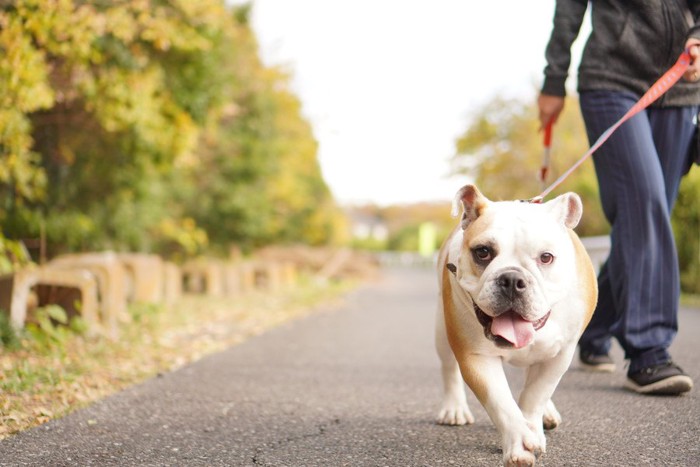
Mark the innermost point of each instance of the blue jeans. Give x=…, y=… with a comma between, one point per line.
x=639, y=171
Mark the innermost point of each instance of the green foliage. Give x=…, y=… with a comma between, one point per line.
x=125, y=122
x=406, y=239
x=24, y=378
x=686, y=224
x=143, y=313
x=180, y=239
x=12, y=254
x=369, y=244
x=402, y=224
x=51, y=326
x=9, y=339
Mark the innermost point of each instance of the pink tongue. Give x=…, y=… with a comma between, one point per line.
x=513, y=328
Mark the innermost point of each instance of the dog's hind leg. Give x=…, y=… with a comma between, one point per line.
x=454, y=409
x=551, y=418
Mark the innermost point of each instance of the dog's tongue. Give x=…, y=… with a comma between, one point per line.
x=513, y=328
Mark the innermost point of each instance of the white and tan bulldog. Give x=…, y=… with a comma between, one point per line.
x=516, y=286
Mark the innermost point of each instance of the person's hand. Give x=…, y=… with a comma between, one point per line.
x=551, y=106
x=692, y=74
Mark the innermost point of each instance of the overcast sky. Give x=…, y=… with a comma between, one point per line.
x=388, y=85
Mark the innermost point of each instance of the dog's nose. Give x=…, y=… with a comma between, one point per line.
x=512, y=283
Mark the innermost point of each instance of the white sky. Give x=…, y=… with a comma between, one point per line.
x=388, y=85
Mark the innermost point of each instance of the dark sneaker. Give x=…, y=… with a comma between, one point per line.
x=666, y=379
x=597, y=363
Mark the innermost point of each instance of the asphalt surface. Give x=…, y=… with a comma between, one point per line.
x=357, y=385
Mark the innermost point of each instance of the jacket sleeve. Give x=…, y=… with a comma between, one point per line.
x=568, y=17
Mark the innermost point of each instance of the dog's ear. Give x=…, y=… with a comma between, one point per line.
x=567, y=208
x=473, y=204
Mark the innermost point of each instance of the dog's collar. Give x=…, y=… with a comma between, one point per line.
x=535, y=200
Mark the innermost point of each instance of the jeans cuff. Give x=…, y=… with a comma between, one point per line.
x=595, y=346
x=648, y=358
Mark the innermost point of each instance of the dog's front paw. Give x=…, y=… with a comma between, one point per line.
x=522, y=446
x=526, y=459
x=455, y=414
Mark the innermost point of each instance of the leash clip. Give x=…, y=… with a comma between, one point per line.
x=535, y=200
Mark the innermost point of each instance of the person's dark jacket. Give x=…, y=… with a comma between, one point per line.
x=632, y=43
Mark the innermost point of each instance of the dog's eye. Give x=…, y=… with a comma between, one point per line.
x=482, y=254
x=546, y=258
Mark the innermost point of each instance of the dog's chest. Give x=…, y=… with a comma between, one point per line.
x=548, y=344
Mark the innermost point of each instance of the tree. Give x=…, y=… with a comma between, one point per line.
x=151, y=125
x=264, y=143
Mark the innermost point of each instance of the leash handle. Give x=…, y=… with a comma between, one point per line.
x=658, y=89
x=547, y=142
x=548, y=134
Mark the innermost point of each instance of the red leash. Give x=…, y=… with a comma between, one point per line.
x=658, y=89
x=544, y=170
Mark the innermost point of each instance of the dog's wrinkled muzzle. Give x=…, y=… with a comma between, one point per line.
x=508, y=328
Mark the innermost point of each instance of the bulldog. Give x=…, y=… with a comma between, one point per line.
x=516, y=286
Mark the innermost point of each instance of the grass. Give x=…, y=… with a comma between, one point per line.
x=689, y=300
x=44, y=379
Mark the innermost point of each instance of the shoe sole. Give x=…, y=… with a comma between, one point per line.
x=671, y=386
x=599, y=368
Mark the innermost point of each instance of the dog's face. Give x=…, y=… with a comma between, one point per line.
x=516, y=261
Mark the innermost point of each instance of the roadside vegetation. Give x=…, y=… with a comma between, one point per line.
x=52, y=369
x=148, y=126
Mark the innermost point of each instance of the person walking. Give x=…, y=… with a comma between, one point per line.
x=639, y=169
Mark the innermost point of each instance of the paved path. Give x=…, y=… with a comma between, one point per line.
x=357, y=385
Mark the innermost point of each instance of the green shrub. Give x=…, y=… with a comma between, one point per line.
x=8, y=335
